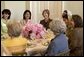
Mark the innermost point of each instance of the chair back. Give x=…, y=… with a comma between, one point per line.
x=64, y=53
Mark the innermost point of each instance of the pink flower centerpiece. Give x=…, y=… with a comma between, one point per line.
x=31, y=30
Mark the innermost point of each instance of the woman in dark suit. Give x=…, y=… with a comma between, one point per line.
x=45, y=22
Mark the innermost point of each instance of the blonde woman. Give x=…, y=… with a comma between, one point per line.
x=16, y=43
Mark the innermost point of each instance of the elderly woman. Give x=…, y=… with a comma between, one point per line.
x=15, y=43
x=60, y=42
x=76, y=40
x=14, y=28
x=45, y=22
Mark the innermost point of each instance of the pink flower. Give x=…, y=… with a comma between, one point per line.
x=34, y=29
x=38, y=36
x=37, y=30
x=33, y=35
x=42, y=33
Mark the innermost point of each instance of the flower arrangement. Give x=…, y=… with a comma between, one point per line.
x=31, y=30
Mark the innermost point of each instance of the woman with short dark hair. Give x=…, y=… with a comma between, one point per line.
x=78, y=22
x=26, y=12
x=76, y=40
x=6, y=13
x=26, y=17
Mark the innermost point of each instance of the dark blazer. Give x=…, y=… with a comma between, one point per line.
x=76, y=42
x=45, y=24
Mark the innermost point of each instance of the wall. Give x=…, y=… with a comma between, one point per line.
x=56, y=9
x=27, y=5
x=76, y=7
x=16, y=7
x=37, y=7
x=2, y=6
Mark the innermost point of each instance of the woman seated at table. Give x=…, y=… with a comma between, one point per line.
x=6, y=13
x=60, y=42
x=3, y=29
x=26, y=17
x=15, y=40
x=45, y=22
x=76, y=40
x=67, y=16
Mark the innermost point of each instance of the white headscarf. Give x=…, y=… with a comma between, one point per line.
x=69, y=13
